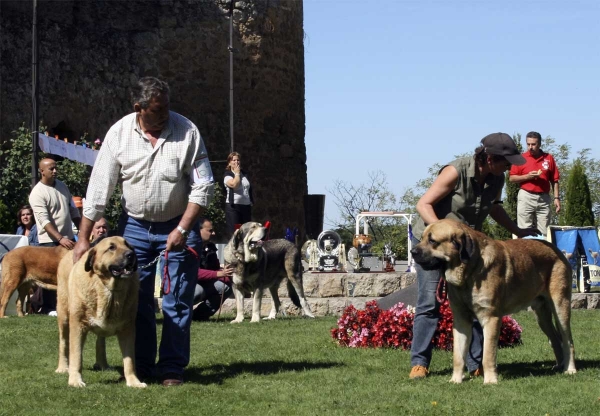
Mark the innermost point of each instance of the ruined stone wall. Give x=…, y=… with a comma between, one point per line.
x=90, y=52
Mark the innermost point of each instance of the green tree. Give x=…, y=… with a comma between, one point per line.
x=578, y=210
x=75, y=175
x=373, y=196
x=15, y=179
x=7, y=220
x=591, y=167
x=216, y=213
x=15, y=183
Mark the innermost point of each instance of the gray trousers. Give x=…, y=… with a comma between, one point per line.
x=533, y=210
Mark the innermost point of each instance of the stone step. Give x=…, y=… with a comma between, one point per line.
x=318, y=306
x=326, y=285
x=335, y=305
x=331, y=293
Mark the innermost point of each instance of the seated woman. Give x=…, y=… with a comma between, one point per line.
x=26, y=225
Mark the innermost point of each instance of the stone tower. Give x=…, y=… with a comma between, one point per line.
x=90, y=52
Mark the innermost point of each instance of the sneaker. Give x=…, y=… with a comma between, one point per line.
x=52, y=313
x=476, y=373
x=418, y=371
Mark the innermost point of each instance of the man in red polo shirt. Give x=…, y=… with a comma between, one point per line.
x=538, y=179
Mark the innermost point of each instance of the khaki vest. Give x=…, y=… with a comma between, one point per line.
x=468, y=202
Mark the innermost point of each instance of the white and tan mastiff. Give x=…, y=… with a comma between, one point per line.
x=260, y=265
x=488, y=279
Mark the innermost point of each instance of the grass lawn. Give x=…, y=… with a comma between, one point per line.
x=291, y=366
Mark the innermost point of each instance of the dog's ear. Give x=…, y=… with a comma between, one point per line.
x=89, y=262
x=96, y=241
x=467, y=248
x=237, y=238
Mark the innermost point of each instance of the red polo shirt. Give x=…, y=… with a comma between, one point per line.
x=546, y=163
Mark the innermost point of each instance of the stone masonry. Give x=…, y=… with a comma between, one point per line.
x=331, y=293
x=90, y=52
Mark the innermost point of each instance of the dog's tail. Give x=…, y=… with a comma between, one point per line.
x=293, y=294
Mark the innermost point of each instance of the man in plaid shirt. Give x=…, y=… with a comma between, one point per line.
x=160, y=159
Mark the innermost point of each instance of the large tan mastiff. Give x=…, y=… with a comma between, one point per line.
x=488, y=279
x=25, y=266
x=98, y=294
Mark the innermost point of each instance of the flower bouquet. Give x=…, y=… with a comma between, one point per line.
x=377, y=328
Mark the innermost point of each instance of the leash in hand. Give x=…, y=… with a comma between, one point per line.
x=441, y=293
x=166, y=281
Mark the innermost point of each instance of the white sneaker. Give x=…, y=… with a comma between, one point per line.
x=52, y=313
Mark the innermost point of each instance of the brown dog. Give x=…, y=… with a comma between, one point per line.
x=25, y=266
x=99, y=295
x=488, y=279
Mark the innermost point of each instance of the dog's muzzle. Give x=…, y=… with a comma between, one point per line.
x=252, y=245
x=127, y=267
x=251, y=251
x=427, y=262
x=122, y=272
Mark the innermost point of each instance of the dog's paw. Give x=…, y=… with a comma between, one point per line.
x=237, y=321
x=267, y=318
x=137, y=384
x=490, y=380
x=255, y=319
x=571, y=371
x=61, y=370
x=76, y=382
x=456, y=379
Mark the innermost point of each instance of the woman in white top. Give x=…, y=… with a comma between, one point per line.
x=238, y=203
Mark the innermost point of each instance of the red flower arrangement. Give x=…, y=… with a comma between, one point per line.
x=377, y=328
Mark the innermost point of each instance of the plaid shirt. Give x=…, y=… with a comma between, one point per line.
x=158, y=182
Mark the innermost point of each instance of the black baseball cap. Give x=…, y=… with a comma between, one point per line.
x=501, y=144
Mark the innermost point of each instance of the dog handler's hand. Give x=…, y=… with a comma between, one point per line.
x=66, y=243
x=176, y=241
x=81, y=246
x=226, y=272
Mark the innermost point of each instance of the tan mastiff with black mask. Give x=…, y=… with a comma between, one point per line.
x=98, y=294
x=488, y=279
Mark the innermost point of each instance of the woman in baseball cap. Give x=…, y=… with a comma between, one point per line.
x=468, y=190
x=501, y=144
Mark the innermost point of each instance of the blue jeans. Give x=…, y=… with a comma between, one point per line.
x=149, y=239
x=427, y=315
x=210, y=293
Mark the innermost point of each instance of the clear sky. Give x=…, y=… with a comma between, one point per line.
x=397, y=86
